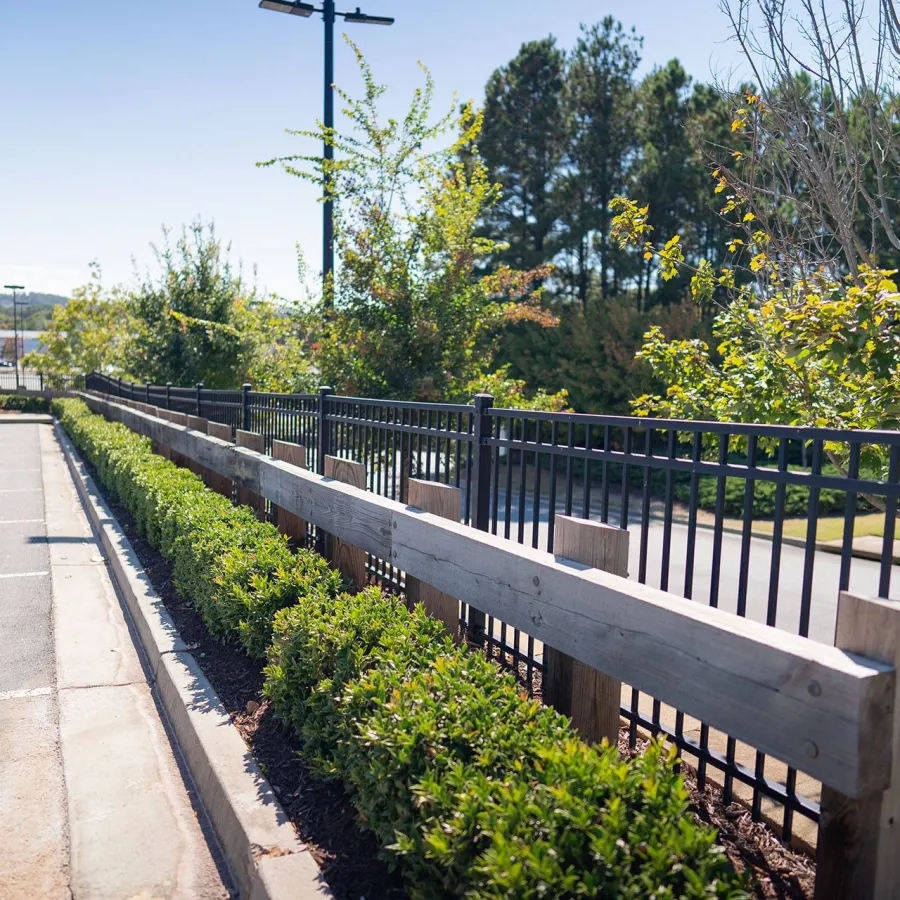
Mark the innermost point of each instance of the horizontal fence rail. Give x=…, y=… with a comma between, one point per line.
x=769, y=523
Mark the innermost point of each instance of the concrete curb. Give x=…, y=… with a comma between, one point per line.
x=268, y=860
x=13, y=418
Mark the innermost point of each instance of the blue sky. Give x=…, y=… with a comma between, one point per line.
x=120, y=117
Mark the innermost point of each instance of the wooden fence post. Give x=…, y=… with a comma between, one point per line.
x=348, y=559
x=591, y=698
x=178, y=418
x=857, y=854
x=198, y=423
x=252, y=441
x=288, y=524
x=217, y=482
x=445, y=501
x=162, y=449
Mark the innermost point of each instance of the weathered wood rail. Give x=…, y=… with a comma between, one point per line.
x=821, y=709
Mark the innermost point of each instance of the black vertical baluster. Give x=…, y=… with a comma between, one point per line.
x=523, y=465
x=645, y=507
x=551, y=499
x=447, y=444
x=604, y=474
x=777, y=533
x=626, y=453
x=719, y=524
x=507, y=499
x=495, y=476
x=671, y=445
x=570, y=442
x=457, y=446
x=812, y=524
x=696, y=450
x=747, y=527
x=586, y=486
x=890, y=521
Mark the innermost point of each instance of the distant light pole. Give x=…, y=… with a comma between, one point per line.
x=305, y=10
x=14, y=288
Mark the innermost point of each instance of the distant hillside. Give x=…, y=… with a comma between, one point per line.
x=34, y=299
x=33, y=314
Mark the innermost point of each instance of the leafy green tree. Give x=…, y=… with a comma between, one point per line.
x=600, y=102
x=522, y=143
x=664, y=165
x=412, y=318
x=89, y=333
x=185, y=316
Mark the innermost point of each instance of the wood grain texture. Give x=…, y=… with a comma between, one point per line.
x=246, y=495
x=591, y=698
x=198, y=423
x=751, y=681
x=217, y=481
x=348, y=559
x=220, y=431
x=290, y=525
x=444, y=501
x=805, y=703
x=857, y=848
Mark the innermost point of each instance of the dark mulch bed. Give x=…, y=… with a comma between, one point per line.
x=326, y=820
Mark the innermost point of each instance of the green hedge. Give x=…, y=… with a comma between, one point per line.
x=473, y=790
x=24, y=404
x=235, y=570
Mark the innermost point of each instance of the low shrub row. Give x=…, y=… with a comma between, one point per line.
x=24, y=404
x=472, y=789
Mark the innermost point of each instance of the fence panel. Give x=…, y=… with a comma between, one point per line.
x=768, y=523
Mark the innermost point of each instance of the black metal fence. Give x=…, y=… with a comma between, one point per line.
x=767, y=522
x=38, y=381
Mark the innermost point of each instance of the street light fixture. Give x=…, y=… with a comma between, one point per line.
x=283, y=6
x=14, y=288
x=328, y=16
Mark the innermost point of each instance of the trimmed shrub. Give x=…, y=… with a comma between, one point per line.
x=473, y=790
x=236, y=571
x=23, y=404
x=318, y=649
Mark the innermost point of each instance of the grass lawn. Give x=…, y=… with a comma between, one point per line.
x=830, y=528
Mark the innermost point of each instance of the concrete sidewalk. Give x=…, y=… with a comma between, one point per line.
x=93, y=800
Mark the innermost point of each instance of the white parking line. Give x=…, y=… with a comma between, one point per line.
x=22, y=574
x=20, y=490
x=18, y=521
x=33, y=692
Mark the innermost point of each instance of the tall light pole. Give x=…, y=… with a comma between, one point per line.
x=14, y=288
x=305, y=10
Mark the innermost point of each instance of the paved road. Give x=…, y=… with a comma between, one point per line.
x=864, y=573
x=93, y=803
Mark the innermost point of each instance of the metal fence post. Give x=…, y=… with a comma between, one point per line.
x=199, y=398
x=41, y=376
x=245, y=406
x=147, y=392
x=323, y=441
x=168, y=395
x=480, y=513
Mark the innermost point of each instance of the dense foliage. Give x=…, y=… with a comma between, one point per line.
x=409, y=315
x=21, y=403
x=473, y=790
